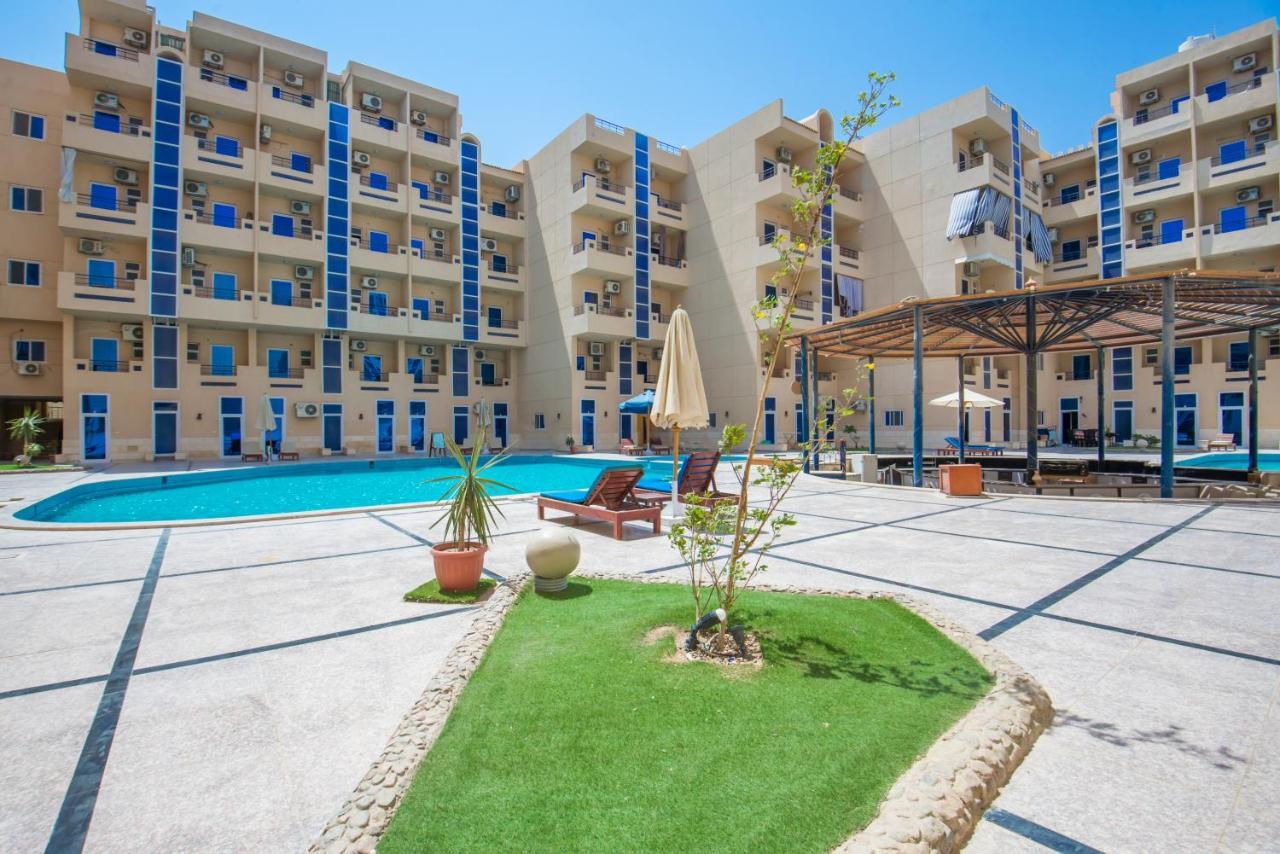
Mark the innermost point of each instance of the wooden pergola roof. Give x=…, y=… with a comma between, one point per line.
x=1076, y=316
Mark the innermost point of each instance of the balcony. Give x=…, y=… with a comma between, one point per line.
x=602, y=196
x=1156, y=252
x=666, y=212
x=380, y=257
x=588, y=381
x=389, y=321
x=378, y=130
x=222, y=161
x=767, y=254
x=658, y=330
x=110, y=376
x=97, y=64
x=774, y=187
x=669, y=271
x=292, y=175
x=434, y=146
x=80, y=294
x=601, y=257
x=1260, y=163
x=288, y=106
x=983, y=170
x=298, y=312
x=225, y=90
x=217, y=232
x=806, y=312
x=436, y=326
x=433, y=205
x=1070, y=266
x=1251, y=235
x=602, y=322
x=89, y=216
x=847, y=261
x=1242, y=100
x=303, y=244
x=988, y=243
x=1149, y=125
x=1152, y=187
x=379, y=194
x=505, y=277
x=505, y=332
x=216, y=305
x=848, y=205
x=502, y=221
x=1058, y=210
x=114, y=137
x=437, y=266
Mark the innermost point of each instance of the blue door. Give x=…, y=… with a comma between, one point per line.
x=371, y=369
x=461, y=425
x=1230, y=152
x=498, y=263
x=413, y=367
x=770, y=413
x=222, y=360
x=299, y=162
x=231, y=424
x=1171, y=231
x=587, y=415
x=275, y=438
x=102, y=274
x=418, y=425
x=1182, y=361
x=102, y=196
x=386, y=412
x=224, y=286
x=377, y=303
x=495, y=317
x=333, y=427
x=1185, y=419
x=164, y=428
x=1081, y=367
x=106, y=121
x=1216, y=91
x=227, y=146
x=497, y=209
x=488, y=374
x=1232, y=219
x=500, y=424
x=1169, y=168
x=378, y=241
x=277, y=363
x=105, y=353
x=1122, y=420
x=1071, y=250
x=378, y=180
x=802, y=429
x=1068, y=418
x=282, y=224
x=281, y=292
x=224, y=215
x=94, y=426
x=1231, y=415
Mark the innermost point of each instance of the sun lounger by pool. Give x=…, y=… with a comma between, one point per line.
x=611, y=498
x=697, y=475
x=289, y=450
x=251, y=450
x=1221, y=442
x=953, y=447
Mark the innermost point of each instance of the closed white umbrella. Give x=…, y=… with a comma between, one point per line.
x=265, y=423
x=972, y=400
x=679, y=401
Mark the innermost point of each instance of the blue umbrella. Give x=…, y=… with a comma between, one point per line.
x=638, y=405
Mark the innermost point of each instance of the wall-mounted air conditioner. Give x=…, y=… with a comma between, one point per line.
x=212, y=59
x=612, y=286
x=1048, y=179
x=1148, y=97
x=198, y=120
x=1148, y=215
x=596, y=348
x=603, y=165
x=126, y=176
x=360, y=158
x=304, y=272
x=1244, y=62
x=622, y=226
x=369, y=283
x=417, y=117
x=978, y=146
x=437, y=234
x=131, y=331
x=426, y=349
x=294, y=80
x=359, y=345
x=306, y=410
x=971, y=268
x=30, y=369
x=264, y=132
x=480, y=355
x=1140, y=156
x=1258, y=124
x=512, y=193
x=188, y=256
x=783, y=154
x=370, y=102
x=135, y=38
x=106, y=100
x=1248, y=194
x=1053, y=235
x=488, y=244
x=442, y=177
x=301, y=207
x=89, y=246
x=195, y=188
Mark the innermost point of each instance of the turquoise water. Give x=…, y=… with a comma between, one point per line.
x=294, y=488
x=1234, y=461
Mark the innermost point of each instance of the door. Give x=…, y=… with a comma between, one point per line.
x=102, y=274
x=333, y=427
x=224, y=215
x=1122, y=420
x=227, y=146
x=588, y=237
x=1230, y=152
x=413, y=367
x=1068, y=418
x=1232, y=219
x=1081, y=367
x=282, y=224
x=495, y=317
x=1185, y=419
x=498, y=209
x=222, y=360
x=1171, y=231
x=1071, y=250
x=94, y=425
x=1216, y=91
x=231, y=425
x=102, y=196
x=164, y=428
x=386, y=414
x=299, y=162
x=461, y=425
x=587, y=413
x=378, y=241
x=488, y=374
x=103, y=120
x=1231, y=415
x=1169, y=168
x=418, y=425
x=377, y=303
x=770, y=415
x=802, y=429
x=498, y=263
x=986, y=425
x=224, y=286
x=275, y=438
x=277, y=363
x=500, y=424
x=371, y=369
x=105, y=354
x=281, y=292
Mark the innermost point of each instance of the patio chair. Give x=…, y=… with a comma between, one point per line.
x=630, y=448
x=953, y=447
x=251, y=451
x=697, y=475
x=438, y=448
x=611, y=498
x=655, y=445
x=1221, y=442
x=289, y=450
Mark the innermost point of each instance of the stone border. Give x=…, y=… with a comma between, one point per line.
x=934, y=806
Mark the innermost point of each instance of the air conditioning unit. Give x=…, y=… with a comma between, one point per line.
x=426, y=349
x=1148, y=215
x=1258, y=124
x=971, y=268
x=443, y=177
x=612, y=286
x=88, y=246
x=1248, y=194
x=437, y=235
x=480, y=355
x=306, y=410
x=1244, y=62
x=126, y=176
x=513, y=193
x=369, y=283
x=370, y=102
x=657, y=354
x=294, y=80
x=264, y=132
x=106, y=100
x=304, y=272
x=417, y=117
x=212, y=59
x=188, y=257
x=622, y=226
x=1140, y=156
x=603, y=166
x=300, y=207
x=195, y=188
x=488, y=244
x=596, y=348
x=1048, y=179
x=360, y=158
x=978, y=146
x=359, y=345
x=783, y=153
x=1148, y=97
x=1059, y=377
x=198, y=120
x=135, y=38
x=1053, y=235
x=30, y=369
x=131, y=331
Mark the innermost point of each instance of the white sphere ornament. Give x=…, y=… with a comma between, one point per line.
x=552, y=555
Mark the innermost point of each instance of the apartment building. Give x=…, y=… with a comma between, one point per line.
x=199, y=219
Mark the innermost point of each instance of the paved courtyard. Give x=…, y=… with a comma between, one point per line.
x=223, y=688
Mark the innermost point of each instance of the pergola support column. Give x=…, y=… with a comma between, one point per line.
x=871, y=405
x=960, y=418
x=1031, y=404
x=1102, y=412
x=817, y=419
x=802, y=424
x=1253, y=400
x=917, y=397
x=1167, y=438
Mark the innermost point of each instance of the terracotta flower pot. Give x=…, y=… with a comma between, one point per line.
x=458, y=569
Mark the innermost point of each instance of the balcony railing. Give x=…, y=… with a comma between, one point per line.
x=222, y=148
x=285, y=373
x=108, y=367
x=826, y=376
x=388, y=185
x=432, y=136
x=279, y=92
x=1061, y=257
x=500, y=211
x=668, y=261
x=667, y=147
x=1150, y=177
x=378, y=120
x=665, y=203
x=295, y=302
x=503, y=324
x=220, y=293
x=283, y=162
x=846, y=252
x=98, y=46
x=108, y=203
x=595, y=376
x=1236, y=89
x=387, y=248
x=1000, y=165
x=849, y=194
x=229, y=80
x=607, y=311
x=88, y=280
x=127, y=125
x=432, y=314
x=610, y=127
x=513, y=269
x=371, y=376
x=433, y=255
x=600, y=245
x=1251, y=222
x=427, y=379
x=427, y=194
x=1257, y=148
x=984, y=227
x=1144, y=116
x=1145, y=241
x=220, y=220
x=601, y=184
x=218, y=370
x=971, y=162
x=803, y=304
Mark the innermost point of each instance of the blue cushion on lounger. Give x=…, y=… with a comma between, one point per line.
x=654, y=485
x=570, y=496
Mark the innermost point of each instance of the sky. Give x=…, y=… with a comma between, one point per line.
x=681, y=71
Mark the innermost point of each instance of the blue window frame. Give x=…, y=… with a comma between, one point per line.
x=332, y=427
x=413, y=367
x=164, y=356
x=227, y=146
x=1232, y=219
x=94, y=412
x=495, y=317
x=1171, y=231
x=377, y=303
x=371, y=368
x=488, y=373
x=1169, y=168
x=461, y=425
x=224, y=286
x=109, y=122
x=1238, y=356
x=1216, y=91
x=1122, y=369
x=282, y=224
x=222, y=360
x=331, y=365
x=277, y=363
x=1081, y=367
x=105, y=353
x=498, y=209
x=102, y=196
x=1230, y=152
x=231, y=425
x=224, y=215
x=385, y=412
x=1071, y=250
x=299, y=162
x=378, y=180
x=1182, y=361
x=418, y=425
x=378, y=241
x=1069, y=194
x=281, y=292
x=102, y=273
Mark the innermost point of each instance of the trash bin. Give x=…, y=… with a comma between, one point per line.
x=961, y=479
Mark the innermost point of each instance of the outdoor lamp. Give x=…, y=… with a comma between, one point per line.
x=708, y=620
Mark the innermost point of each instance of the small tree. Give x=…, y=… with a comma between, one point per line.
x=714, y=575
x=471, y=513
x=25, y=429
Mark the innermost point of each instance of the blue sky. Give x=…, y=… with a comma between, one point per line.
x=684, y=70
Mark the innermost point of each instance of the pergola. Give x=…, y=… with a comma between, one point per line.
x=1132, y=310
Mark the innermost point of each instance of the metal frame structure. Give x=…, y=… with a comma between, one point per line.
x=1131, y=310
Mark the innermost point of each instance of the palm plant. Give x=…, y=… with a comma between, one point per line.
x=25, y=429
x=472, y=513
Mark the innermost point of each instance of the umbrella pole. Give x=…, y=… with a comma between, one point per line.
x=675, y=470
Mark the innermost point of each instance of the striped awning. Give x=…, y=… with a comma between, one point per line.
x=1040, y=243
x=986, y=205
x=1000, y=212
x=964, y=209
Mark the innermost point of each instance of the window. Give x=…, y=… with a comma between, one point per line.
x=24, y=273
x=1273, y=345
x=29, y=199
x=28, y=350
x=893, y=418
x=1081, y=368
x=711, y=419
x=1238, y=356
x=539, y=421
x=1069, y=194
x=1181, y=361
x=277, y=363
x=193, y=351
x=1122, y=369
x=1150, y=356
x=28, y=125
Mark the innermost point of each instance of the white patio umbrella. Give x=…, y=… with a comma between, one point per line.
x=971, y=400
x=265, y=423
x=679, y=401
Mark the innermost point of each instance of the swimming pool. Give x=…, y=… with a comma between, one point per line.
x=1232, y=460
x=304, y=487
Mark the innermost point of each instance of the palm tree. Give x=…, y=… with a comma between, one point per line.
x=25, y=429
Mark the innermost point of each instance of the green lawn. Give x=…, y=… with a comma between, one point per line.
x=36, y=467
x=431, y=592
x=574, y=735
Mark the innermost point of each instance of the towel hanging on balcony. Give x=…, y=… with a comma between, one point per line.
x=1040, y=243
x=964, y=209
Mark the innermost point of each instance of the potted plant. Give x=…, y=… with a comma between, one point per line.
x=25, y=429
x=569, y=442
x=469, y=518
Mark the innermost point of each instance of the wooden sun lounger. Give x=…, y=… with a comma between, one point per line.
x=697, y=476
x=610, y=499
x=1221, y=442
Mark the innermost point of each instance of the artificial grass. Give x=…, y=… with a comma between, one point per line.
x=575, y=735
x=36, y=467
x=431, y=592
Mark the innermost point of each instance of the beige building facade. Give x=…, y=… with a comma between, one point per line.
x=204, y=222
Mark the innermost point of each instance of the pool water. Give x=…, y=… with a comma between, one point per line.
x=296, y=488
x=1233, y=461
